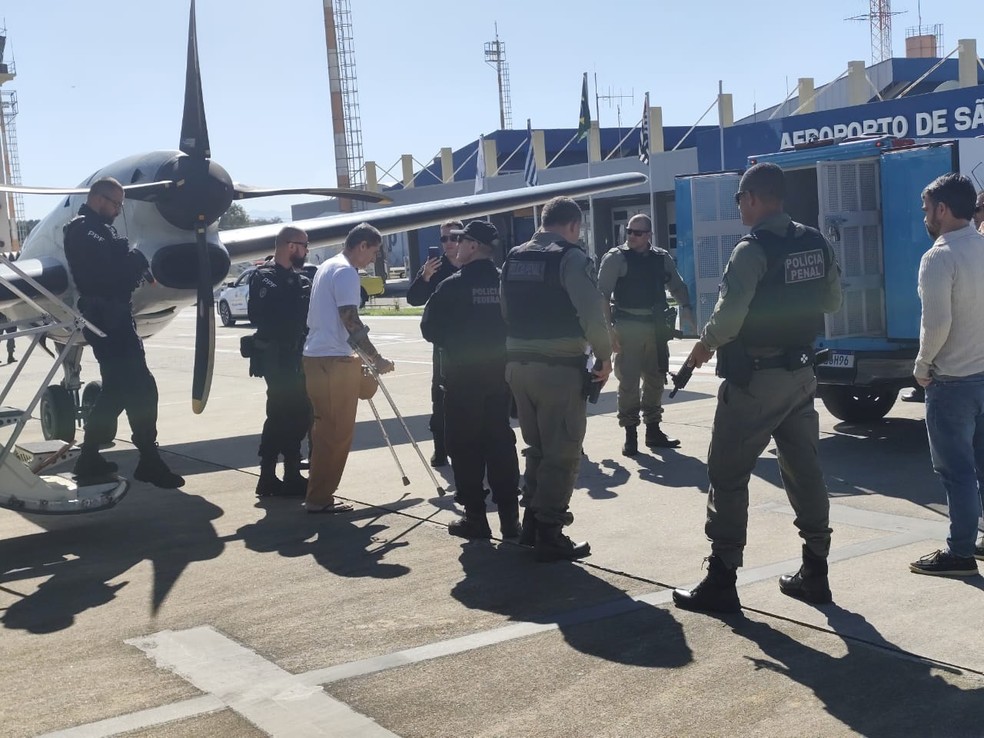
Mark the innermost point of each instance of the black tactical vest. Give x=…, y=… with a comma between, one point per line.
x=644, y=284
x=785, y=312
x=538, y=305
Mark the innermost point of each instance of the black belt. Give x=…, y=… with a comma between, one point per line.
x=792, y=360
x=525, y=357
x=622, y=315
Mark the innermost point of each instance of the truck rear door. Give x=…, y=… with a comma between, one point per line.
x=717, y=227
x=850, y=217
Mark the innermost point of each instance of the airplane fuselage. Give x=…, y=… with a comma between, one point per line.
x=169, y=249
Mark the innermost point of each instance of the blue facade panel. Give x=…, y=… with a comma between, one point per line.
x=951, y=114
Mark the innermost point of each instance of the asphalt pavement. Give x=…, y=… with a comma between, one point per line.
x=205, y=612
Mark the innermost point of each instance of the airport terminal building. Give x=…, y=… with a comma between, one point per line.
x=908, y=98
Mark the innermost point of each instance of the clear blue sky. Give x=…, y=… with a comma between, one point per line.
x=103, y=79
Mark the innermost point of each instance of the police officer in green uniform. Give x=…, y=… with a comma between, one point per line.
x=278, y=306
x=778, y=283
x=553, y=311
x=634, y=279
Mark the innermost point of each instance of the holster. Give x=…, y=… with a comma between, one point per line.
x=734, y=364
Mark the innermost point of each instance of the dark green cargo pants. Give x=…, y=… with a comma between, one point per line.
x=552, y=417
x=777, y=404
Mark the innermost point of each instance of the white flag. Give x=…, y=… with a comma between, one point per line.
x=480, y=166
x=529, y=171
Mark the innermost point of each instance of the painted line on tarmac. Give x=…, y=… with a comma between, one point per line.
x=272, y=699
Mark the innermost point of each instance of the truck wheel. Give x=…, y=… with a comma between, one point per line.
x=858, y=404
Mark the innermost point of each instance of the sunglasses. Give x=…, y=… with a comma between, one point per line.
x=979, y=209
x=634, y=232
x=454, y=239
x=738, y=195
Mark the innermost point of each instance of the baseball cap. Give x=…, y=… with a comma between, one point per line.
x=481, y=231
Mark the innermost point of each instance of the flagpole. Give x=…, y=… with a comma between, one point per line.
x=649, y=161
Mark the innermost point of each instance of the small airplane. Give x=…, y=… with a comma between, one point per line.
x=174, y=199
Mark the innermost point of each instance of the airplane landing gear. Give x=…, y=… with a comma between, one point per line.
x=58, y=414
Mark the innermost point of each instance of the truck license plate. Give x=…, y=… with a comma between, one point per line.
x=840, y=360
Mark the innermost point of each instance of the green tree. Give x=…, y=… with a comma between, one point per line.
x=237, y=217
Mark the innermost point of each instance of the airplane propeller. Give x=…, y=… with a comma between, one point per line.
x=191, y=192
x=194, y=143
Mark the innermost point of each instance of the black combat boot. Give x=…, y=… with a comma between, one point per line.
x=717, y=593
x=810, y=582
x=295, y=483
x=527, y=536
x=553, y=545
x=91, y=465
x=474, y=525
x=151, y=468
x=268, y=484
x=655, y=438
x=509, y=519
x=631, y=445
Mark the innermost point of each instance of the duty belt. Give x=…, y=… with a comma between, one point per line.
x=525, y=357
x=792, y=359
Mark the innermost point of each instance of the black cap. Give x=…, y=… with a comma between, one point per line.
x=481, y=231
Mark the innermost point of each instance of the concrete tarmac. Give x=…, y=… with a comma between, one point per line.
x=204, y=612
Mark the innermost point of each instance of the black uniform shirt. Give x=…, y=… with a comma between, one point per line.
x=463, y=318
x=278, y=306
x=421, y=289
x=102, y=264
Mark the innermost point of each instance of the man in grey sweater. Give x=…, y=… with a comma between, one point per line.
x=950, y=366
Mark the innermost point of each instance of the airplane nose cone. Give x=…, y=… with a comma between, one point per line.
x=204, y=188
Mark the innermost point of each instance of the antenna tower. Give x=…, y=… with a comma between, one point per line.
x=12, y=209
x=495, y=56
x=880, y=17
x=346, y=121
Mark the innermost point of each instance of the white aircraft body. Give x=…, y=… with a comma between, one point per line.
x=174, y=199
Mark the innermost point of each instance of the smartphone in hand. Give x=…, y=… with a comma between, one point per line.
x=433, y=252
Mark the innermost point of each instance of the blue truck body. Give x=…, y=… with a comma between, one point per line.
x=865, y=197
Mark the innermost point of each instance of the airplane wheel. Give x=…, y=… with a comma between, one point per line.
x=57, y=414
x=89, y=396
x=225, y=314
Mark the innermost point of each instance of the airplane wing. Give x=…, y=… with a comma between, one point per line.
x=256, y=241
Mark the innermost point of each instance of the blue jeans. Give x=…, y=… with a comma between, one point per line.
x=955, y=424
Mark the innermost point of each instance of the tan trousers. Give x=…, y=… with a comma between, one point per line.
x=333, y=387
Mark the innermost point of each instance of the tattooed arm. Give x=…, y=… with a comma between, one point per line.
x=360, y=335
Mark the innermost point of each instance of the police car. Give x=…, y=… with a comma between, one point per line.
x=232, y=300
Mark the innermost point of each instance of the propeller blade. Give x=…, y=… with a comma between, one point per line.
x=144, y=191
x=246, y=192
x=194, y=131
x=201, y=381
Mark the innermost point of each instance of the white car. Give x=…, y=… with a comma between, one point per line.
x=231, y=302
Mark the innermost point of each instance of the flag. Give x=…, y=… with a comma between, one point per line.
x=480, y=166
x=644, y=133
x=529, y=171
x=584, y=122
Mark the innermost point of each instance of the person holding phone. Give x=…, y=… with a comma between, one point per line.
x=439, y=266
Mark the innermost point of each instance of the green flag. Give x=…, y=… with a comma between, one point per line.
x=584, y=122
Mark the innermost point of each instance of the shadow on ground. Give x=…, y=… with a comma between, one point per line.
x=82, y=555
x=505, y=580
x=874, y=689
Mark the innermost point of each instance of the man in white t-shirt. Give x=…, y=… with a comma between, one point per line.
x=332, y=372
x=950, y=366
